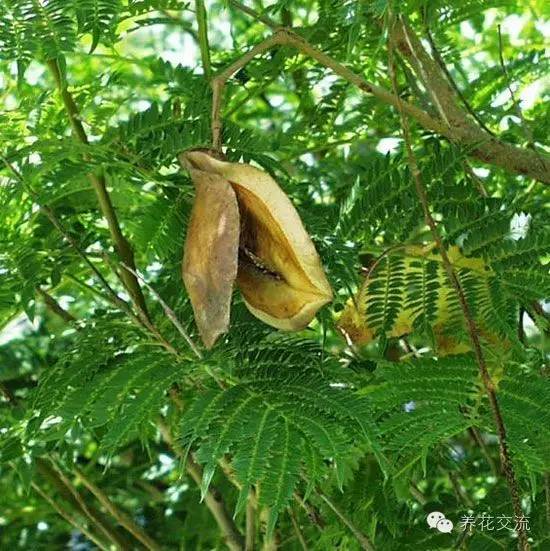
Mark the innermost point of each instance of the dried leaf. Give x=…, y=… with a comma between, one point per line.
x=409, y=290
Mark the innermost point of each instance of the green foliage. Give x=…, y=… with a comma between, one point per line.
x=424, y=402
x=326, y=438
x=97, y=386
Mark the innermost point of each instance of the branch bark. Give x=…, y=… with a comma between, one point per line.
x=474, y=137
x=462, y=132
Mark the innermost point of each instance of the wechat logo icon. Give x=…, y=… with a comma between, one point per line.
x=438, y=521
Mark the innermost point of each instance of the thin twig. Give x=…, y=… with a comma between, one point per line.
x=471, y=324
x=122, y=246
x=90, y=289
x=55, y=307
x=70, y=518
x=54, y=475
x=441, y=62
x=69, y=238
x=312, y=513
x=270, y=541
x=458, y=488
x=476, y=179
x=140, y=319
x=427, y=71
x=213, y=499
x=525, y=127
x=362, y=539
x=183, y=24
x=417, y=494
x=121, y=517
x=204, y=46
x=7, y=393
x=478, y=439
x=250, y=534
x=297, y=530
x=170, y=314
x=266, y=20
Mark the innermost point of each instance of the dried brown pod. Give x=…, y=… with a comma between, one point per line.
x=210, y=255
x=279, y=271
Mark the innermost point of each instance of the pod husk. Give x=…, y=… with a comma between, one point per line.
x=279, y=271
x=210, y=255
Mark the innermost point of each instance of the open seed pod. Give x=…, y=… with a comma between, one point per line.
x=279, y=271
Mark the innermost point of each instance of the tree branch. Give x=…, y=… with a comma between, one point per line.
x=121, y=517
x=59, y=227
x=213, y=499
x=141, y=319
x=73, y=521
x=441, y=62
x=77, y=502
x=52, y=474
x=122, y=246
x=55, y=307
x=443, y=90
x=462, y=132
x=429, y=73
x=471, y=325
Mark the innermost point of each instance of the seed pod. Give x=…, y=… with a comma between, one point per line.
x=210, y=254
x=279, y=271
